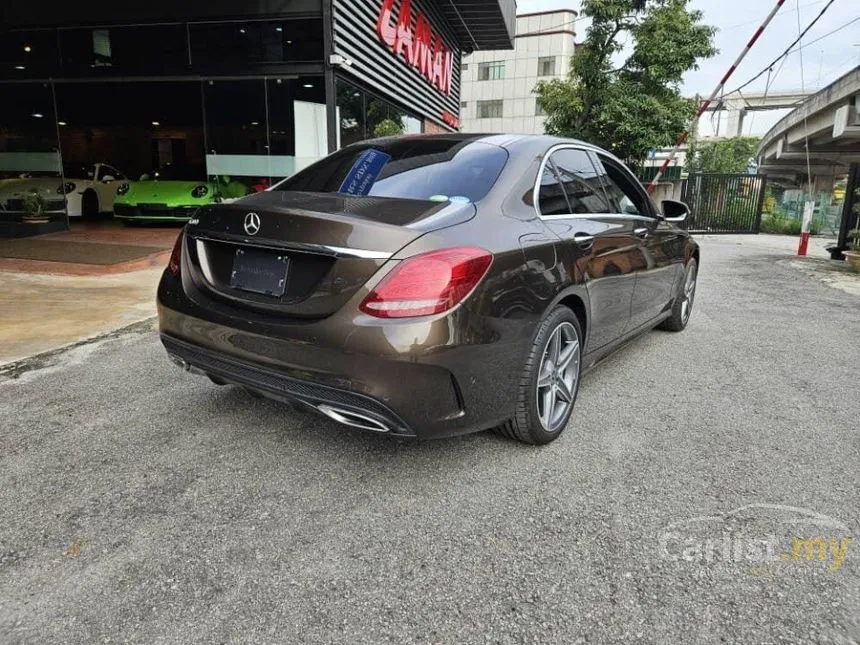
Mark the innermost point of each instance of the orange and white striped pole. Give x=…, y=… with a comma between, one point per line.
x=683, y=138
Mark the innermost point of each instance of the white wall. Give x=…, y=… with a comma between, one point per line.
x=521, y=74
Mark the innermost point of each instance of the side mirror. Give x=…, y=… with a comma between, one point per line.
x=107, y=179
x=675, y=211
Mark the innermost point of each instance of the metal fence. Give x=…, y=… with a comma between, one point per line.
x=724, y=203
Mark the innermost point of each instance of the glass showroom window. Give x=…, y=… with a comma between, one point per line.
x=546, y=66
x=29, y=154
x=124, y=49
x=135, y=127
x=493, y=71
x=240, y=44
x=298, y=134
x=364, y=116
x=260, y=131
x=25, y=54
x=490, y=109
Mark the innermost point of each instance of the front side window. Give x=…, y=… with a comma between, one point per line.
x=424, y=169
x=621, y=188
x=490, y=109
x=582, y=184
x=492, y=71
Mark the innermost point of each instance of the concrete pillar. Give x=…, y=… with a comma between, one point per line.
x=736, y=122
x=849, y=219
x=824, y=183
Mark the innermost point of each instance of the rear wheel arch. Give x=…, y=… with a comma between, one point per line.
x=577, y=306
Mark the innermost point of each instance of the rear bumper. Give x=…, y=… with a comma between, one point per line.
x=429, y=382
x=278, y=385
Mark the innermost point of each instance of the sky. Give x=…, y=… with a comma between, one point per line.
x=736, y=21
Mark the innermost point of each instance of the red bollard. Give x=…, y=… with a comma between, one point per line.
x=808, y=210
x=804, y=244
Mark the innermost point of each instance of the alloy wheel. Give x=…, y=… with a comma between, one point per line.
x=689, y=293
x=558, y=376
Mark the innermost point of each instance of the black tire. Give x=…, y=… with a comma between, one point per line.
x=526, y=425
x=682, y=308
x=89, y=205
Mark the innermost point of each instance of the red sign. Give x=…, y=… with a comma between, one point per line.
x=451, y=119
x=421, y=46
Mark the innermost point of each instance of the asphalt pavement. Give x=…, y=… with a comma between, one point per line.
x=690, y=500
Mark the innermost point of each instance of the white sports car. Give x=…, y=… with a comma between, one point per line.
x=88, y=190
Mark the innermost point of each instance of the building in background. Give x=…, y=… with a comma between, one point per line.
x=250, y=91
x=496, y=85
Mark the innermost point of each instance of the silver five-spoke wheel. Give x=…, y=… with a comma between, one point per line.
x=557, y=378
x=689, y=293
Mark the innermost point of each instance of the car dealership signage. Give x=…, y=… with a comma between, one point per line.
x=421, y=46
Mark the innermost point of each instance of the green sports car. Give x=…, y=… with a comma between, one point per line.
x=173, y=193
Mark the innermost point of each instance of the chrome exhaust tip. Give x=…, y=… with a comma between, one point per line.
x=353, y=419
x=185, y=365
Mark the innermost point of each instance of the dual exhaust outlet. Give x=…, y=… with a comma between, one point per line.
x=346, y=417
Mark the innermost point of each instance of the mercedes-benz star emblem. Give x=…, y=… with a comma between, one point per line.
x=252, y=223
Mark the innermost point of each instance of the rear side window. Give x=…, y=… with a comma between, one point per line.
x=409, y=168
x=551, y=199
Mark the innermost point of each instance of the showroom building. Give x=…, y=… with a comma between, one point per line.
x=220, y=94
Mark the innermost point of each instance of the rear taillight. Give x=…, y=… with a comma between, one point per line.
x=175, y=263
x=429, y=283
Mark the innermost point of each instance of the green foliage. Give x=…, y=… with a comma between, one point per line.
x=724, y=156
x=778, y=223
x=854, y=238
x=34, y=205
x=387, y=128
x=637, y=106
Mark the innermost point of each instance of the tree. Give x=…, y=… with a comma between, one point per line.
x=387, y=128
x=635, y=106
x=723, y=156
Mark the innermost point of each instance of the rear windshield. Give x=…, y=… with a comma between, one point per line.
x=433, y=169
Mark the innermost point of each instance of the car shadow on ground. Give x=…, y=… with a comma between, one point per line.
x=292, y=432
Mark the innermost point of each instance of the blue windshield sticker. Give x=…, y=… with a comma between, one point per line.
x=459, y=199
x=361, y=177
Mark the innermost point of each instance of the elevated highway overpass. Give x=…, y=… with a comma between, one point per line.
x=817, y=141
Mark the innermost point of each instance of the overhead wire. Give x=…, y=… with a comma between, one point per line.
x=789, y=48
x=805, y=108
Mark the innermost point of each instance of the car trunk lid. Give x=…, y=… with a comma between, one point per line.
x=304, y=254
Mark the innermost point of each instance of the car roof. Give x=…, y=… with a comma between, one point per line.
x=535, y=144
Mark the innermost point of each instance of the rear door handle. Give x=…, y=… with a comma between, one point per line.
x=640, y=232
x=583, y=240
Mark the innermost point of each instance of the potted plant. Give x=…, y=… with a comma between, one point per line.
x=34, y=209
x=852, y=255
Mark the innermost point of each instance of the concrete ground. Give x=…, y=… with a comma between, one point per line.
x=142, y=504
x=46, y=305
x=43, y=312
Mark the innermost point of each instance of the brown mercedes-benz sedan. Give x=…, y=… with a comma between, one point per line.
x=430, y=285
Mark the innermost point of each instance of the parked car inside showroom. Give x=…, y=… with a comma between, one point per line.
x=429, y=286
x=174, y=192
x=86, y=190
